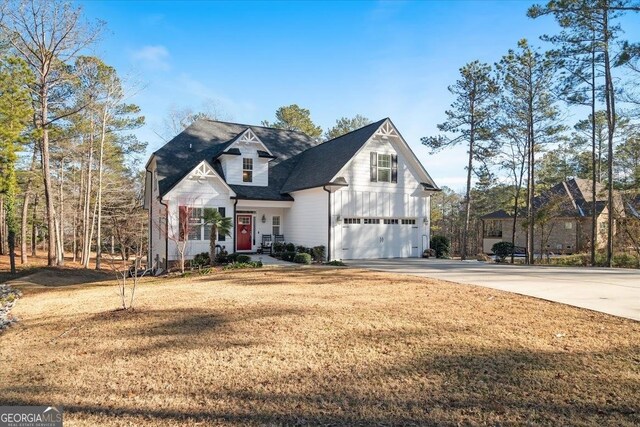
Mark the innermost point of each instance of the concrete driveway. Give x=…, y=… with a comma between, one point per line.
x=612, y=291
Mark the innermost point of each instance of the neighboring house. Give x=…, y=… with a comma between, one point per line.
x=564, y=219
x=361, y=195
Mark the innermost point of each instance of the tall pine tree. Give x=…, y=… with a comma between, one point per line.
x=597, y=17
x=469, y=120
x=15, y=111
x=526, y=76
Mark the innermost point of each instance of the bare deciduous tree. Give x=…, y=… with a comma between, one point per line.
x=131, y=226
x=178, y=228
x=179, y=118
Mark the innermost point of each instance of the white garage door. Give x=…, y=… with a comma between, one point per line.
x=365, y=238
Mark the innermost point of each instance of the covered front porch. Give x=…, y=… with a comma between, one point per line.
x=256, y=221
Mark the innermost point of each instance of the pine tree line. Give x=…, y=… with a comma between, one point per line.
x=66, y=148
x=520, y=136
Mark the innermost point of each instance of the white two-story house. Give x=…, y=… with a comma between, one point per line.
x=361, y=195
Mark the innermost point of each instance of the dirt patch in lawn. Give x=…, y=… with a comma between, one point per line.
x=319, y=346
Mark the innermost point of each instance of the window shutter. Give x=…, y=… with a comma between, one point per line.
x=374, y=167
x=182, y=222
x=222, y=237
x=394, y=168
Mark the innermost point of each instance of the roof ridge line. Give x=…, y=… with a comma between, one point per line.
x=248, y=126
x=351, y=131
x=573, y=200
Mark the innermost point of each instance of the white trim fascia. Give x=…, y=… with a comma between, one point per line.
x=214, y=175
x=152, y=157
x=412, y=160
x=249, y=136
x=264, y=203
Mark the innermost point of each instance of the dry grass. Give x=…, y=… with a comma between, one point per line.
x=318, y=346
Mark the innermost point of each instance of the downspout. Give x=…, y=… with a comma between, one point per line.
x=150, y=243
x=235, y=203
x=324, y=187
x=166, y=234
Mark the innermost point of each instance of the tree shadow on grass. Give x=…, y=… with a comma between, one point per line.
x=312, y=276
x=475, y=387
x=6, y=276
x=50, y=277
x=464, y=385
x=533, y=386
x=240, y=417
x=187, y=328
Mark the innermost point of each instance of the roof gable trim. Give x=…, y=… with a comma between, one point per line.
x=387, y=130
x=203, y=171
x=248, y=138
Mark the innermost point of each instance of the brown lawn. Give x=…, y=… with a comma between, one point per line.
x=316, y=346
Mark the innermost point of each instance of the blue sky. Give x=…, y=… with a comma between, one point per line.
x=378, y=59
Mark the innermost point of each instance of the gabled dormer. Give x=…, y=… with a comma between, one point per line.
x=246, y=161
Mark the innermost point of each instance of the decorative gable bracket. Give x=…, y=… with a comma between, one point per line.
x=248, y=137
x=201, y=172
x=386, y=130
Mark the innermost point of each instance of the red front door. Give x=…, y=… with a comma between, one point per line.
x=243, y=233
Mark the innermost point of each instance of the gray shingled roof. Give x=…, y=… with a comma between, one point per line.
x=573, y=199
x=298, y=162
x=318, y=165
x=207, y=139
x=501, y=214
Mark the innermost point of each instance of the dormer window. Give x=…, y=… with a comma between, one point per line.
x=247, y=170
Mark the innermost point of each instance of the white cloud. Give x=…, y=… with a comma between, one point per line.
x=153, y=57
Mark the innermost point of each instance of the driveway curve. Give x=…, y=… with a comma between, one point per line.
x=611, y=291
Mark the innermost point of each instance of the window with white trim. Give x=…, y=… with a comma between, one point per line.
x=275, y=225
x=352, y=220
x=195, y=224
x=392, y=221
x=191, y=223
x=372, y=220
x=408, y=221
x=384, y=167
x=247, y=170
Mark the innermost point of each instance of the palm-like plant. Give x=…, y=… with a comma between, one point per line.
x=219, y=225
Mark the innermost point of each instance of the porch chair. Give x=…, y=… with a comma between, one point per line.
x=267, y=242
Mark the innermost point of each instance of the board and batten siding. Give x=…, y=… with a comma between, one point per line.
x=306, y=222
x=366, y=199
x=232, y=167
x=204, y=193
